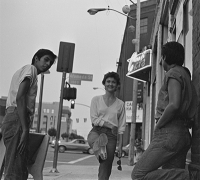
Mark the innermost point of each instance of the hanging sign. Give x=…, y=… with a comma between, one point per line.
x=138, y=63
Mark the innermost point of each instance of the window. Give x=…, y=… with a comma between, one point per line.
x=52, y=111
x=81, y=142
x=44, y=110
x=143, y=26
x=47, y=110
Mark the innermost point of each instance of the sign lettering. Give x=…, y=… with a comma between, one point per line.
x=75, y=82
x=80, y=77
x=139, y=61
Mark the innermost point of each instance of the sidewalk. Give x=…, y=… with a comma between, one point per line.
x=72, y=172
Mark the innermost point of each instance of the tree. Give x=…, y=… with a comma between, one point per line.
x=65, y=135
x=72, y=136
x=52, y=132
x=75, y=136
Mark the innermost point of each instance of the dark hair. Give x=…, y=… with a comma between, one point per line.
x=174, y=53
x=112, y=75
x=42, y=52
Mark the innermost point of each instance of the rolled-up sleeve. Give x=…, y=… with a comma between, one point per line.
x=94, y=115
x=122, y=120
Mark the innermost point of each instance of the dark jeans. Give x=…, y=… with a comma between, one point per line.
x=15, y=164
x=105, y=167
x=168, y=149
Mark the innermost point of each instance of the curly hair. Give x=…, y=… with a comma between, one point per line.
x=112, y=75
x=174, y=53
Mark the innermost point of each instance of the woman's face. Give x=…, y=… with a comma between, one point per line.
x=110, y=84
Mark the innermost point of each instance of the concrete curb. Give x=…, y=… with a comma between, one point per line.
x=72, y=172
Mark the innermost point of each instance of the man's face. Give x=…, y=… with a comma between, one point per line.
x=164, y=64
x=44, y=63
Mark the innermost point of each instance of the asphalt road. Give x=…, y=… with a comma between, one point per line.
x=75, y=158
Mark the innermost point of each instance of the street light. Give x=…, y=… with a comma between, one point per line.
x=136, y=42
x=93, y=11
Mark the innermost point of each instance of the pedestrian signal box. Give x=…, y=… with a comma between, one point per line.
x=69, y=93
x=65, y=57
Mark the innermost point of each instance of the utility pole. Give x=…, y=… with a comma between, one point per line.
x=134, y=98
x=54, y=170
x=40, y=100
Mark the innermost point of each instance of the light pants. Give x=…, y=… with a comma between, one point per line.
x=105, y=166
x=15, y=164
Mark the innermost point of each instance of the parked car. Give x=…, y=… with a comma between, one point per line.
x=125, y=150
x=74, y=145
x=53, y=142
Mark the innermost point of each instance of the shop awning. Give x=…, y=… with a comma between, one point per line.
x=140, y=66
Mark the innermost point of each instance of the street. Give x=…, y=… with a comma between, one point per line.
x=76, y=158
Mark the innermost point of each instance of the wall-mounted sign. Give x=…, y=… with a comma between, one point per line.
x=128, y=109
x=140, y=63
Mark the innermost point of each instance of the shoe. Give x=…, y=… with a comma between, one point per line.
x=103, y=141
x=99, y=146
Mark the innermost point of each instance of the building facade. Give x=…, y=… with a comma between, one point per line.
x=49, y=118
x=127, y=49
x=177, y=20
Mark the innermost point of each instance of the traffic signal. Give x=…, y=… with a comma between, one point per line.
x=69, y=93
x=72, y=104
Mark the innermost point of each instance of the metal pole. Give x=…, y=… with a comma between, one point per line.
x=40, y=103
x=135, y=87
x=58, y=125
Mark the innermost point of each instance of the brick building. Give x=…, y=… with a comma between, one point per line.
x=49, y=117
x=127, y=49
x=195, y=164
x=177, y=20
x=174, y=20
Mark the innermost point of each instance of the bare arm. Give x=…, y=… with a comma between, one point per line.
x=21, y=102
x=22, y=112
x=174, y=90
x=120, y=145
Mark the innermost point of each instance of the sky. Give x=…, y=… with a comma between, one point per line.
x=28, y=25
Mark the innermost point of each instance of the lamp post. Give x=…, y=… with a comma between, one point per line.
x=135, y=82
x=93, y=11
x=135, y=87
x=40, y=100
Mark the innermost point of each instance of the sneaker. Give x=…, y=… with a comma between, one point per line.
x=99, y=146
x=103, y=141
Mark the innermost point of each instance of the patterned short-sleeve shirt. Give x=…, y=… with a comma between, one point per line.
x=182, y=76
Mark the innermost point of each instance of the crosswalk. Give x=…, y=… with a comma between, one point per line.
x=73, y=162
